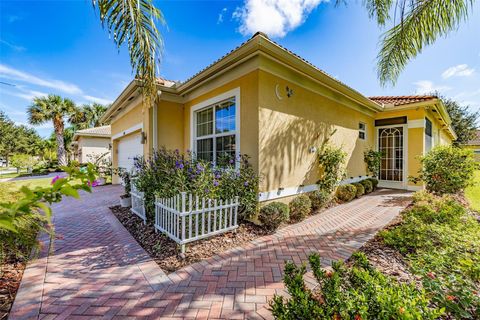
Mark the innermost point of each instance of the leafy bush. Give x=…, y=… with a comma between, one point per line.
x=374, y=182
x=332, y=167
x=22, y=161
x=349, y=292
x=300, y=208
x=367, y=184
x=346, y=192
x=447, y=169
x=319, y=199
x=167, y=173
x=360, y=189
x=273, y=214
x=441, y=243
x=372, y=159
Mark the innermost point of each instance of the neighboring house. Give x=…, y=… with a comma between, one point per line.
x=474, y=145
x=90, y=144
x=263, y=100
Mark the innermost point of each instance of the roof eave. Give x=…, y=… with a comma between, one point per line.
x=125, y=94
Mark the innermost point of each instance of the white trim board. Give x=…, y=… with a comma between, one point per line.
x=138, y=126
x=293, y=191
x=418, y=123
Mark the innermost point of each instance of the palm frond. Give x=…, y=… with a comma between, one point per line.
x=134, y=22
x=379, y=9
x=421, y=23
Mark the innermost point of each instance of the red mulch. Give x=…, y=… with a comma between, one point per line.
x=10, y=276
x=166, y=252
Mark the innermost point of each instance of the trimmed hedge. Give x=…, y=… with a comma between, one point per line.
x=374, y=182
x=346, y=192
x=319, y=199
x=360, y=189
x=368, y=185
x=300, y=208
x=273, y=215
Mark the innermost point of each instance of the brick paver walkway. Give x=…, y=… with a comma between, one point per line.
x=97, y=270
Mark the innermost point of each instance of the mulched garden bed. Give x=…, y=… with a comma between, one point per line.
x=166, y=252
x=10, y=276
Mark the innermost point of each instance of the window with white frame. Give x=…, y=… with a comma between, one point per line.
x=362, y=130
x=428, y=135
x=215, y=135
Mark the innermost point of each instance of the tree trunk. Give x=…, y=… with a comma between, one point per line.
x=61, y=155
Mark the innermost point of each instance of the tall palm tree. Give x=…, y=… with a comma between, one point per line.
x=134, y=22
x=88, y=116
x=417, y=24
x=52, y=108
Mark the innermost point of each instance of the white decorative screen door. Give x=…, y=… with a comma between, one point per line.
x=390, y=143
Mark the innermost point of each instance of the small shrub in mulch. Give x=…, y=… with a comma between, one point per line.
x=273, y=215
x=346, y=192
x=166, y=253
x=300, y=208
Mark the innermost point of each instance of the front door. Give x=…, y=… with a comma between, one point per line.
x=391, y=143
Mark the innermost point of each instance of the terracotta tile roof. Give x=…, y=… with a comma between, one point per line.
x=475, y=141
x=401, y=100
x=97, y=131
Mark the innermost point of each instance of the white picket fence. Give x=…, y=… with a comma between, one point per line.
x=138, y=203
x=186, y=218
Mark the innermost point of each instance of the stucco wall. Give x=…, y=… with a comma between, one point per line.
x=91, y=147
x=291, y=126
x=248, y=85
x=170, y=125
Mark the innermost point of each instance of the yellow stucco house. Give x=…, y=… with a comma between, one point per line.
x=265, y=101
x=474, y=145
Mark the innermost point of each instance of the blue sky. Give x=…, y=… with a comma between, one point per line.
x=60, y=47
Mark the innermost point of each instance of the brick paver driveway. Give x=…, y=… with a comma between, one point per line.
x=97, y=270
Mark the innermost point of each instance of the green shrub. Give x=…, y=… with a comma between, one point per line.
x=167, y=173
x=360, y=189
x=374, y=182
x=355, y=292
x=372, y=159
x=447, y=169
x=319, y=199
x=346, y=192
x=332, y=167
x=273, y=215
x=368, y=185
x=440, y=241
x=300, y=208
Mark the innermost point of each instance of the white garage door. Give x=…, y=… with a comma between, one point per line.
x=128, y=148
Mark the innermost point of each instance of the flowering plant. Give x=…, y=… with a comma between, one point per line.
x=167, y=173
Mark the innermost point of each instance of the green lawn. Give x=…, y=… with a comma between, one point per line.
x=473, y=192
x=9, y=191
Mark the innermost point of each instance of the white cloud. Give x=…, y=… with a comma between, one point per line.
x=273, y=17
x=25, y=93
x=461, y=70
x=221, y=14
x=96, y=99
x=12, y=46
x=428, y=87
x=14, y=74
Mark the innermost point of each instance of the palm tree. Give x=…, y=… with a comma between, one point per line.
x=133, y=22
x=88, y=116
x=418, y=23
x=52, y=108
